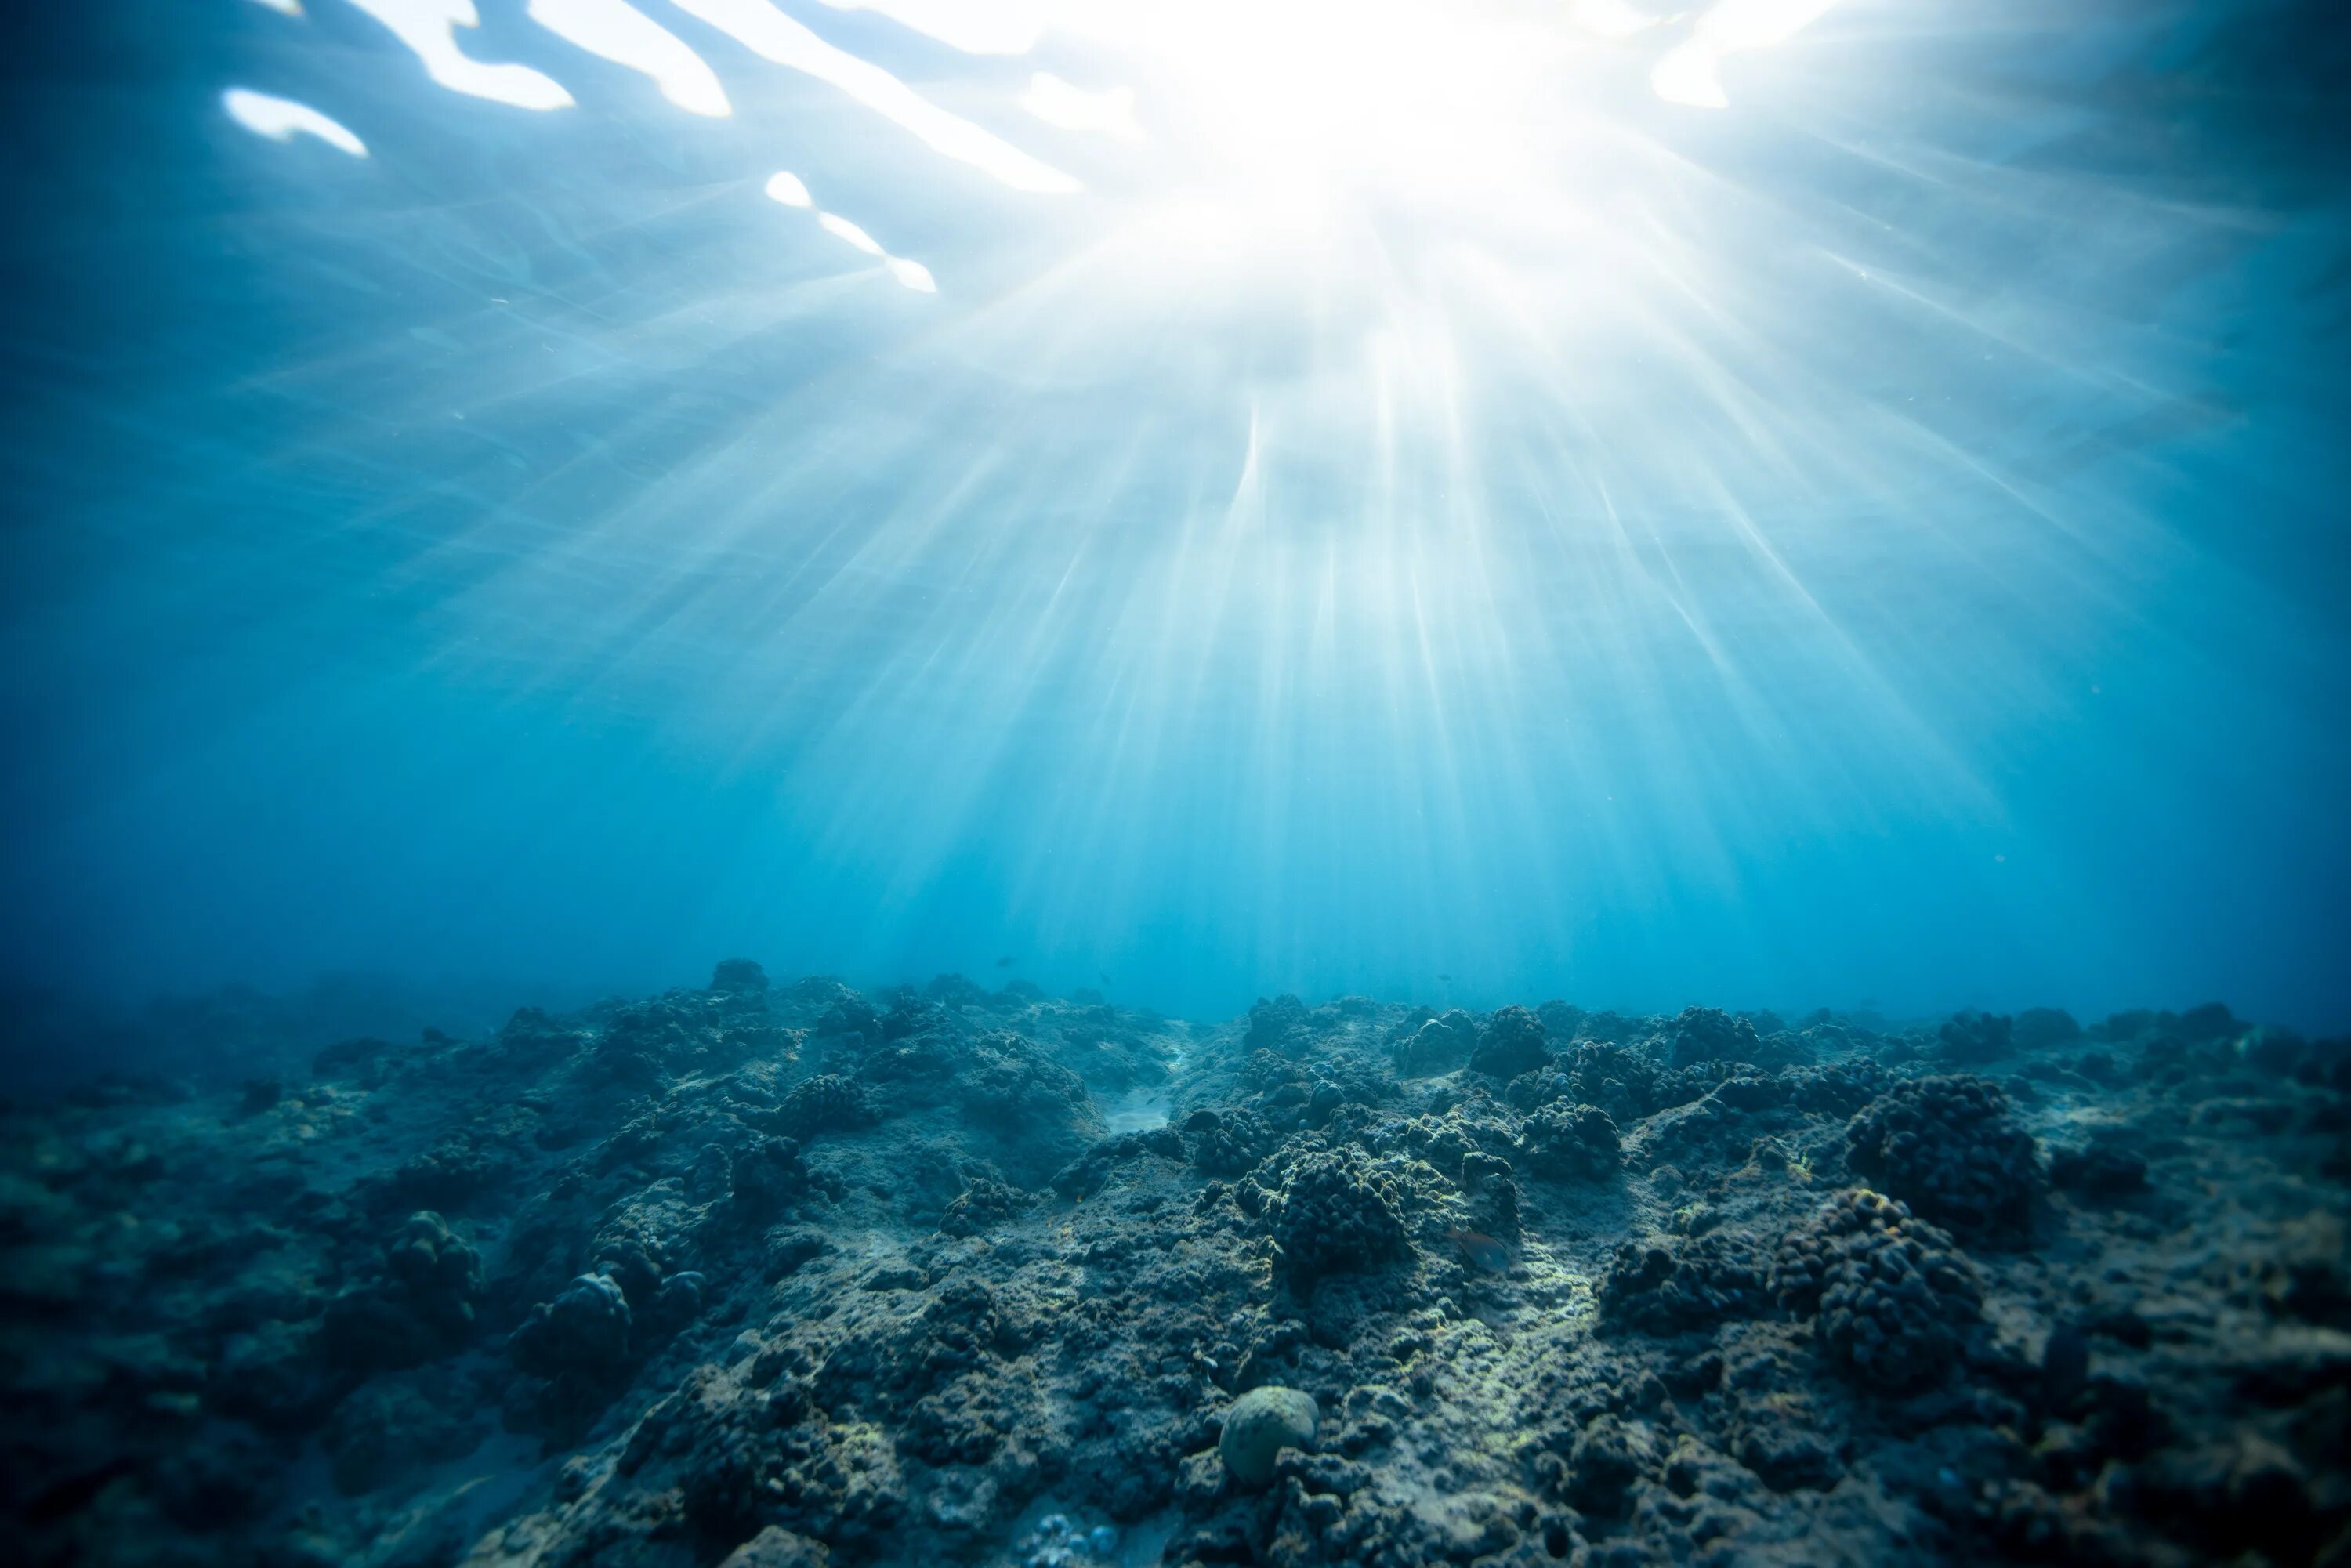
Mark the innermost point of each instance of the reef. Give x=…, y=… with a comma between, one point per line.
x=764, y=1274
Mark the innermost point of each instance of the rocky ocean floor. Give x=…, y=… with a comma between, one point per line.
x=787, y=1275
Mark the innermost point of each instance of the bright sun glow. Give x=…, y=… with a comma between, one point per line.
x=1690, y=73
x=1292, y=94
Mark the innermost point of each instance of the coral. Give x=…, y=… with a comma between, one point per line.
x=1086, y=1176
x=1437, y=1045
x=1560, y=1020
x=583, y=1333
x=1972, y=1039
x=1493, y=1201
x=1336, y=1213
x=1260, y=1424
x=1057, y=1543
x=275, y=1377
x=850, y=1014
x=1946, y=1147
x=766, y=1177
x=1834, y=1089
x=775, y=1547
x=1709, y=1034
x=1687, y=1085
x=397, y=1425
x=1570, y=1143
x=1273, y=1024
x=1227, y=1143
x=440, y=1273
x=1512, y=1044
x=910, y=1014
x=825, y=1104
x=451, y=1174
x=1695, y=1282
x=985, y=1203
x=1893, y=1296
x=642, y=1042
x=366, y=1061
x=2101, y=1169
x=1621, y=1082
x=740, y=978
x=955, y=991
x=995, y=1330
x=1609, y=1456
x=2036, y=1029
x=1532, y=1090
x=421, y=1307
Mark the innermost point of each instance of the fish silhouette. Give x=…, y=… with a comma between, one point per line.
x=1447, y=978
x=1007, y=961
x=1479, y=1248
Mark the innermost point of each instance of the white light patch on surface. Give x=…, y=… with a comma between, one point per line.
x=1068, y=107
x=429, y=29
x=282, y=120
x=912, y=274
x=786, y=188
x=619, y=32
x=283, y=7
x=841, y=228
x=1690, y=72
x=974, y=27
x=1610, y=18
x=766, y=32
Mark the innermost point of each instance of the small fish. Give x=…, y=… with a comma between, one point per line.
x=1447, y=978
x=1477, y=1248
x=1007, y=961
x=1105, y=976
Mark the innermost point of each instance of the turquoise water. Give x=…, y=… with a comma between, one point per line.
x=1803, y=504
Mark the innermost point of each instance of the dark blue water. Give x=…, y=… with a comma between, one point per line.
x=1419, y=511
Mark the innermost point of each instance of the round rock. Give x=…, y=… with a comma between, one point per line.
x=1260, y=1424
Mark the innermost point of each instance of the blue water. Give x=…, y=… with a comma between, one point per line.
x=1393, y=498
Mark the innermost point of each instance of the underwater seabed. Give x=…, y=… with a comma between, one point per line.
x=790, y=1275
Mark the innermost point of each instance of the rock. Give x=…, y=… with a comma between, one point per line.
x=1258, y=1425
x=775, y=1547
x=2102, y=1170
